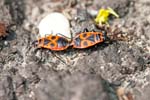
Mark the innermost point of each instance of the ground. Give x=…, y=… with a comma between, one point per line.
x=117, y=70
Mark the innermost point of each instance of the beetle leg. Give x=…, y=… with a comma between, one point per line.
x=85, y=30
x=35, y=43
x=63, y=36
x=93, y=30
x=54, y=54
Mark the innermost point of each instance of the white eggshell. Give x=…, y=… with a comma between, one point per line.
x=56, y=24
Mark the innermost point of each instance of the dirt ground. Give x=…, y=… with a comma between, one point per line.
x=119, y=70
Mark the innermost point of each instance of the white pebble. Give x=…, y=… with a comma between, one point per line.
x=5, y=43
x=54, y=23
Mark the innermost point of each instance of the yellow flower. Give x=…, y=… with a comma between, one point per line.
x=103, y=14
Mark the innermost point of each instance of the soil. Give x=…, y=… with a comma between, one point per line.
x=96, y=73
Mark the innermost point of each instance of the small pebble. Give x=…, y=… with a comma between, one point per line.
x=5, y=43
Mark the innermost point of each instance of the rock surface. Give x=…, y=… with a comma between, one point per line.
x=77, y=86
x=28, y=73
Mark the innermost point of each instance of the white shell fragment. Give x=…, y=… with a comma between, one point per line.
x=56, y=24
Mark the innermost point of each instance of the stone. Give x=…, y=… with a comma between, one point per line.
x=56, y=24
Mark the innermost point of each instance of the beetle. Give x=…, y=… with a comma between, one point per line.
x=88, y=39
x=53, y=42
